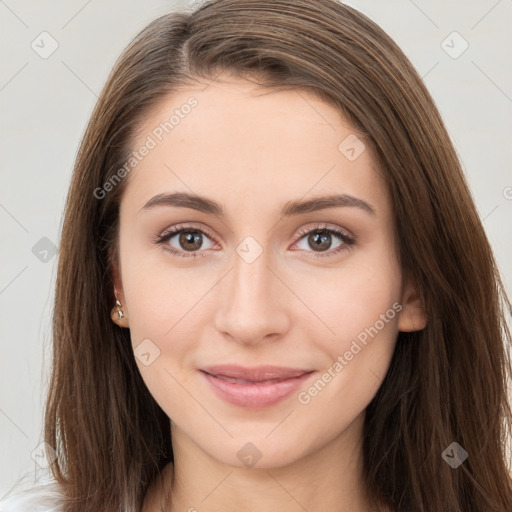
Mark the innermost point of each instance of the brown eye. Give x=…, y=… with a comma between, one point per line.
x=320, y=241
x=190, y=240
x=180, y=240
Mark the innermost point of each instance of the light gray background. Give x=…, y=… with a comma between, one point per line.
x=45, y=105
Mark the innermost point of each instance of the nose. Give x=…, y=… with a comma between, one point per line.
x=253, y=302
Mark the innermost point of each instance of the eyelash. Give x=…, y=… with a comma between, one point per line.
x=347, y=240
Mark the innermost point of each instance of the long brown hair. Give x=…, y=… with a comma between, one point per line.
x=446, y=383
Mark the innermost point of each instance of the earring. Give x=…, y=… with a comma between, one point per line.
x=118, y=315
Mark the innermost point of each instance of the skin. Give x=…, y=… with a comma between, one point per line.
x=252, y=153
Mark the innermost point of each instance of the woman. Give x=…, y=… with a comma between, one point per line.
x=274, y=290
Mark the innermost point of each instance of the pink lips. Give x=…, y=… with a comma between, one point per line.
x=254, y=387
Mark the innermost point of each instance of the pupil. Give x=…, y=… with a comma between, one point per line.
x=321, y=241
x=189, y=238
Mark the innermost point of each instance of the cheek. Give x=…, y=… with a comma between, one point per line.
x=164, y=316
x=159, y=293
x=343, y=302
x=357, y=364
x=360, y=304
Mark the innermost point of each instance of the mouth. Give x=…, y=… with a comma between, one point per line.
x=254, y=387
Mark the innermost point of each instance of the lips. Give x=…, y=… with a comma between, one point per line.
x=259, y=374
x=254, y=387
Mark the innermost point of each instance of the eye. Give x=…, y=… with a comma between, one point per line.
x=321, y=238
x=186, y=239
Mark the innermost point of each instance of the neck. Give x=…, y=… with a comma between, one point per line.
x=326, y=479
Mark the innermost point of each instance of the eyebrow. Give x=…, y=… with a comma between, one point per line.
x=291, y=208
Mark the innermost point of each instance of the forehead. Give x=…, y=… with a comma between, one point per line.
x=233, y=137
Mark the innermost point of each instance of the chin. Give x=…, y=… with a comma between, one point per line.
x=258, y=451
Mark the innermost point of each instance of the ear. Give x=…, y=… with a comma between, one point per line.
x=118, y=314
x=413, y=316
x=115, y=273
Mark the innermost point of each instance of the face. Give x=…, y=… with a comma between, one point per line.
x=258, y=274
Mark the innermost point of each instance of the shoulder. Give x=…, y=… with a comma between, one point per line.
x=40, y=498
x=48, y=496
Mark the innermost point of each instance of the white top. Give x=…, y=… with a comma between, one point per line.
x=43, y=498
x=31, y=494
x=34, y=492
